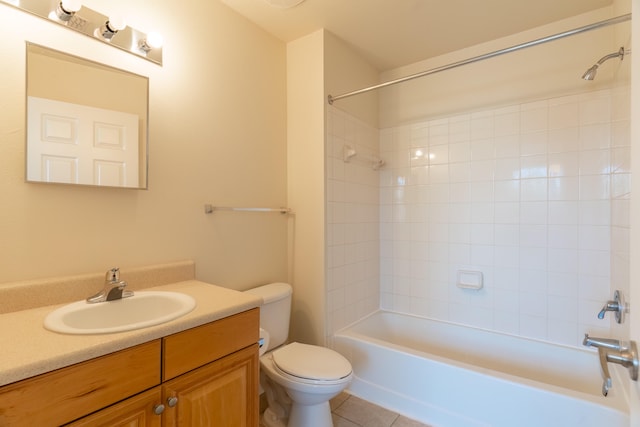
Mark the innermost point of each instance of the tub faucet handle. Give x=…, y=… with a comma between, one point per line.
x=614, y=351
x=606, y=376
x=616, y=305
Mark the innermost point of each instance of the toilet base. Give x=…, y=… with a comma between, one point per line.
x=300, y=416
x=270, y=419
x=310, y=415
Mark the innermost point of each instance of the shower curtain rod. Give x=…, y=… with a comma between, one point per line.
x=594, y=26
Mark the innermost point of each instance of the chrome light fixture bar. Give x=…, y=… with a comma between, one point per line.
x=111, y=30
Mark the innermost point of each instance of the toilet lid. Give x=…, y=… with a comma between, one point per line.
x=311, y=362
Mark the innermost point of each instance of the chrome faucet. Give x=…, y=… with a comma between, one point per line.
x=601, y=342
x=114, y=288
x=615, y=351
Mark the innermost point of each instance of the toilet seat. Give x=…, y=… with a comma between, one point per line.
x=311, y=364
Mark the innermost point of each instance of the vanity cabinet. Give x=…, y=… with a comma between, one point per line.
x=205, y=376
x=219, y=393
x=222, y=393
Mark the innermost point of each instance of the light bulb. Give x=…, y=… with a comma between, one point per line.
x=117, y=23
x=71, y=6
x=154, y=40
x=66, y=9
x=109, y=29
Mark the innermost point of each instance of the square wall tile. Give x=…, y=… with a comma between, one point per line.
x=536, y=195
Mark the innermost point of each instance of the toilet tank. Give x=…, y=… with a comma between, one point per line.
x=274, y=311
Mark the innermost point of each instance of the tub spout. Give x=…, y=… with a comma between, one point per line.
x=601, y=342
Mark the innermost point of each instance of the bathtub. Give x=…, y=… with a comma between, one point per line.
x=448, y=375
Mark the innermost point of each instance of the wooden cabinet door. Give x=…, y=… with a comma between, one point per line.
x=137, y=411
x=223, y=393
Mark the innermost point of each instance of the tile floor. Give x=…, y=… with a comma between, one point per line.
x=351, y=411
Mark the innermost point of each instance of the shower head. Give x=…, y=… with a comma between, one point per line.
x=590, y=74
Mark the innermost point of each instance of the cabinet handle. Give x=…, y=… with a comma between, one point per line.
x=158, y=409
x=172, y=401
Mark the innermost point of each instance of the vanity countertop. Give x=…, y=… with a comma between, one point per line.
x=28, y=349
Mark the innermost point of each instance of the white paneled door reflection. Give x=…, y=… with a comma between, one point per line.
x=71, y=143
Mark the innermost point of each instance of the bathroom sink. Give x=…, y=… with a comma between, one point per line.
x=143, y=309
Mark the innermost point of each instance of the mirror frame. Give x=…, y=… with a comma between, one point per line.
x=58, y=85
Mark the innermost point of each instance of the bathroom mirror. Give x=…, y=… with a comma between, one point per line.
x=87, y=122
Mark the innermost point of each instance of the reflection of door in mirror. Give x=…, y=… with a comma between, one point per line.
x=86, y=122
x=74, y=144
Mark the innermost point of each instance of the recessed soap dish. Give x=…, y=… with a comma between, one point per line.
x=469, y=279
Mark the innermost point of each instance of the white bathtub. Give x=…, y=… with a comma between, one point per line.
x=448, y=375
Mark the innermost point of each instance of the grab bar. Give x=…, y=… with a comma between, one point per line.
x=210, y=209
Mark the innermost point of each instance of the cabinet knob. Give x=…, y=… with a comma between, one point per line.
x=158, y=409
x=172, y=401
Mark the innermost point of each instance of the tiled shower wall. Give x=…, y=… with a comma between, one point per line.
x=353, y=208
x=620, y=199
x=534, y=196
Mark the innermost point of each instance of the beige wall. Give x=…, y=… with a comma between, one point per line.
x=217, y=135
x=346, y=71
x=317, y=64
x=306, y=169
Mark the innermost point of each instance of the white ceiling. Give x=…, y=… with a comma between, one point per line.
x=393, y=33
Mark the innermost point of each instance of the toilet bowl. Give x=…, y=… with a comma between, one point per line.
x=310, y=376
x=298, y=379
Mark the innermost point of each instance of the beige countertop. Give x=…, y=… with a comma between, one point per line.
x=28, y=349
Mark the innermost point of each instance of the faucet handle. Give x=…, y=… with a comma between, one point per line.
x=617, y=305
x=113, y=275
x=606, y=376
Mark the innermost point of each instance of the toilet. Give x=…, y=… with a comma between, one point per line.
x=298, y=379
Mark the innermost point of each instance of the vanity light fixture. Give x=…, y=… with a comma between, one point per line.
x=72, y=14
x=67, y=8
x=111, y=27
x=152, y=41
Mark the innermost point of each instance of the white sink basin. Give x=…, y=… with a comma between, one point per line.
x=143, y=309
